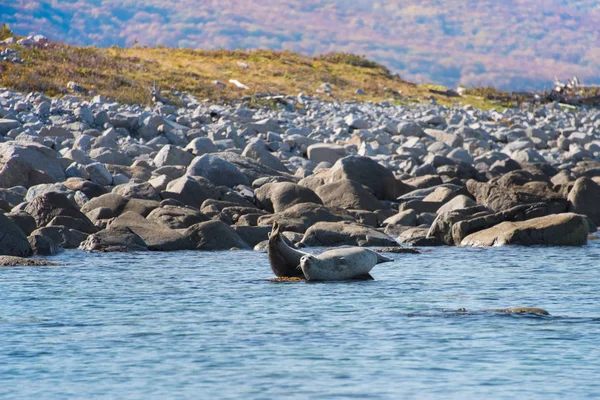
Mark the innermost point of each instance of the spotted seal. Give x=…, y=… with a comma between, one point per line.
x=341, y=264
x=284, y=259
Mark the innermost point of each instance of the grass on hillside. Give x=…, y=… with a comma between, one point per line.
x=124, y=74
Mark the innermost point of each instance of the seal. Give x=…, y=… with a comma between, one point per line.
x=341, y=264
x=284, y=259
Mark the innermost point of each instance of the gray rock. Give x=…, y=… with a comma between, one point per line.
x=13, y=241
x=277, y=197
x=11, y=261
x=119, y=239
x=43, y=245
x=6, y=125
x=99, y=174
x=356, y=122
x=345, y=233
x=323, y=152
x=257, y=150
x=62, y=236
x=218, y=171
x=403, y=218
x=457, y=203
x=201, y=146
x=348, y=194
x=175, y=217
x=44, y=188
x=24, y=165
x=157, y=237
x=252, y=169
x=369, y=173
x=46, y=207
x=172, y=155
x=584, y=199
x=553, y=230
x=144, y=191
x=214, y=235
x=191, y=191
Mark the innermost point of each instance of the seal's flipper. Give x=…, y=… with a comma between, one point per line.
x=383, y=259
x=366, y=277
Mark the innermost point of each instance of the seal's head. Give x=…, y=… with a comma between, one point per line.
x=306, y=262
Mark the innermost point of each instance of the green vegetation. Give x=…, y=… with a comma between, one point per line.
x=5, y=32
x=351, y=59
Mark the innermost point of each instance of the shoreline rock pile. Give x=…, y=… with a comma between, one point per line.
x=104, y=176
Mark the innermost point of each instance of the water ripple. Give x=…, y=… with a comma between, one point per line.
x=212, y=325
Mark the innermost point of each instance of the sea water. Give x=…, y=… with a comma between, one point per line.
x=211, y=325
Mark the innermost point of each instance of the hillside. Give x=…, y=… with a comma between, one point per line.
x=124, y=74
x=515, y=44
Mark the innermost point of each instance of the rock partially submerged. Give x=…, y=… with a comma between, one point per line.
x=12, y=261
x=553, y=230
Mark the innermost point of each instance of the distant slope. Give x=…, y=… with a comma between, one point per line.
x=516, y=44
x=125, y=74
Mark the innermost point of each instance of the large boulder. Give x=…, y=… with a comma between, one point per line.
x=504, y=193
x=326, y=152
x=442, y=226
x=157, y=237
x=277, y=197
x=77, y=224
x=348, y=194
x=13, y=241
x=172, y=155
x=6, y=125
x=403, y=218
x=300, y=217
x=418, y=236
x=143, y=191
x=257, y=150
x=457, y=203
x=584, y=198
x=23, y=220
x=29, y=164
x=345, y=233
x=253, y=235
x=119, y=239
x=62, y=236
x=99, y=174
x=201, y=146
x=175, y=217
x=110, y=156
x=43, y=188
x=214, y=235
x=48, y=206
x=567, y=229
x=368, y=172
x=191, y=190
x=88, y=188
x=43, y=245
x=113, y=204
x=252, y=169
x=220, y=172
x=453, y=226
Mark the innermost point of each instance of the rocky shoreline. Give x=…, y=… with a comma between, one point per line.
x=102, y=176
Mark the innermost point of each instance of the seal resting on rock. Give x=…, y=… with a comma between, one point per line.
x=284, y=259
x=341, y=264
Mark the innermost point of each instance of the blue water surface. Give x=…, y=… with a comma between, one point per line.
x=189, y=325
